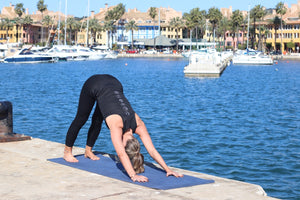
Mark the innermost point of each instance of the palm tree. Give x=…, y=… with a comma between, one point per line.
x=214, y=15
x=276, y=23
x=70, y=23
x=113, y=16
x=41, y=7
x=236, y=21
x=197, y=17
x=261, y=16
x=49, y=22
x=76, y=27
x=153, y=13
x=256, y=13
x=189, y=24
x=281, y=10
x=19, y=9
x=27, y=21
x=109, y=27
x=245, y=21
x=223, y=28
x=94, y=27
x=6, y=24
x=264, y=33
x=131, y=26
x=177, y=24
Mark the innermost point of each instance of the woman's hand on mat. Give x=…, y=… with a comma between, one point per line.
x=139, y=178
x=171, y=173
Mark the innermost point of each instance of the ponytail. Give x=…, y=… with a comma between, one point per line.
x=132, y=149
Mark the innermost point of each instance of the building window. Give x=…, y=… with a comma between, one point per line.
x=269, y=35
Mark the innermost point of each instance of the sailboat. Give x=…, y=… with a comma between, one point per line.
x=251, y=57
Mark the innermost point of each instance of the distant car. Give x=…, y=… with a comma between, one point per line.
x=150, y=51
x=132, y=51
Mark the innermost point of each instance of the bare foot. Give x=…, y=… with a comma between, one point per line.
x=68, y=156
x=91, y=155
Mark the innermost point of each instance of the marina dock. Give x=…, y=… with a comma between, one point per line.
x=26, y=174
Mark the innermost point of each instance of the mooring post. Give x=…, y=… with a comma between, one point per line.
x=6, y=124
x=6, y=118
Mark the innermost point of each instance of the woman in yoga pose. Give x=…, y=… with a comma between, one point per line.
x=113, y=107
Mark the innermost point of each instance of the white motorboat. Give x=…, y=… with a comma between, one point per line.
x=64, y=52
x=26, y=56
x=252, y=58
x=90, y=54
x=109, y=53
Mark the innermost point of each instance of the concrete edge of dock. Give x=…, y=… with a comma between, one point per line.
x=26, y=174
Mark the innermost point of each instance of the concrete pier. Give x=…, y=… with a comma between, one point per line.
x=26, y=174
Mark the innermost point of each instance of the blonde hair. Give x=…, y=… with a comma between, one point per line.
x=132, y=149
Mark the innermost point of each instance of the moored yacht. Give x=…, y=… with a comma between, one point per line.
x=90, y=54
x=26, y=56
x=252, y=58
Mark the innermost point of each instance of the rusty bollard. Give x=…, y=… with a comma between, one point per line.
x=6, y=118
x=6, y=124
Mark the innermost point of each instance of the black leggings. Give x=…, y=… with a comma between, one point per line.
x=85, y=106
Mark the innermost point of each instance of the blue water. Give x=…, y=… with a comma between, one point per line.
x=244, y=125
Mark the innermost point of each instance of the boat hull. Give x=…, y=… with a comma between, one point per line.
x=27, y=59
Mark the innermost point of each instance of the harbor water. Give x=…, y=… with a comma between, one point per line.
x=244, y=125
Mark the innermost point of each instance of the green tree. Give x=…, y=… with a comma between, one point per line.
x=245, y=24
x=189, y=24
x=27, y=21
x=197, y=17
x=177, y=24
x=152, y=14
x=6, y=24
x=281, y=10
x=256, y=13
x=109, y=27
x=236, y=21
x=49, y=22
x=276, y=24
x=223, y=27
x=94, y=27
x=264, y=33
x=214, y=15
x=113, y=16
x=131, y=26
x=19, y=10
x=42, y=8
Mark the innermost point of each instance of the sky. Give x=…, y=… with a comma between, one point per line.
x=79, y=8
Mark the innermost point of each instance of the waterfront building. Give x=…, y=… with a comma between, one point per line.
x=148, y=28
x=290, y=31
x=29, y=33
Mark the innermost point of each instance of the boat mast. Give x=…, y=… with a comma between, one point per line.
x=87, y=25
x=248, y=26
x=58, y=27
x=66, y=16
